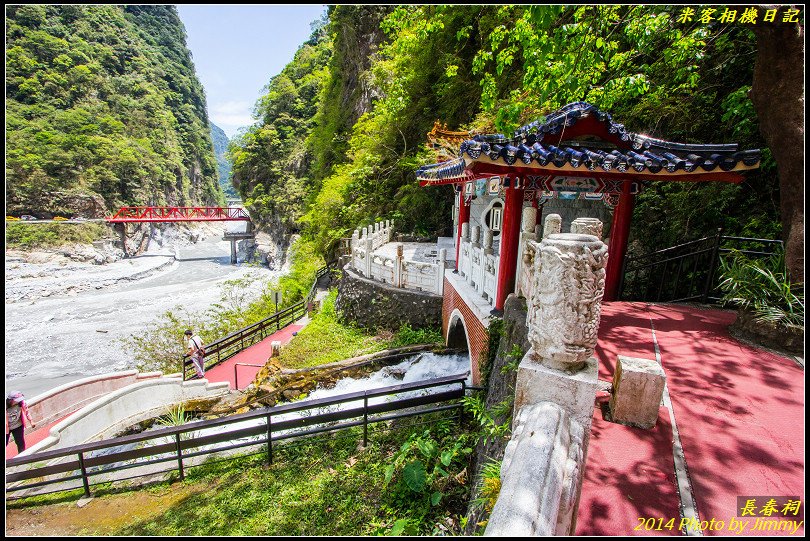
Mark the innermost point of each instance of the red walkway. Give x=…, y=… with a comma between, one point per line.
x=257, y=354
x=740, y=414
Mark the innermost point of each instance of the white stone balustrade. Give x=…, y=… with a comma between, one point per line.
x=395, y=271
x=478, y=262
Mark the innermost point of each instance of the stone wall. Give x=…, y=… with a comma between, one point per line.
x=373, y=305
x=571, y=209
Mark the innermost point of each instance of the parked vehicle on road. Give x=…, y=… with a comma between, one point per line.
x=27, y=217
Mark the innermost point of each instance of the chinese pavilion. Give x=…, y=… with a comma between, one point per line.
x=578, y=159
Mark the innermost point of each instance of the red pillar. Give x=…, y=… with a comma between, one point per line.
x=510, y=238
x=463, y=217
x=617, y=247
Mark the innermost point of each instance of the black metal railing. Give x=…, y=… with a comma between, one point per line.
x=224, y=348
x=686, y=272
x=62, y=469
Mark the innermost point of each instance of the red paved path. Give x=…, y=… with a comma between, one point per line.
x=739, y=410
x=256, y=354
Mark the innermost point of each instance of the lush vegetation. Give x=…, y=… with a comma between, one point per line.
x=323, y=340
x=220, y=140
x=762, y=287
x=22, y=235
x=103, y=101
x=394, y=70
x=410, y=479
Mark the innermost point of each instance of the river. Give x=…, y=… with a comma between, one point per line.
x=76, y=332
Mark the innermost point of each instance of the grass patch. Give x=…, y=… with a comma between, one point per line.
x=319, y=487
x=325, y=339
x=24, y=236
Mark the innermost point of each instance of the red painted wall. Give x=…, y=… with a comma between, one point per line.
x=477, y=334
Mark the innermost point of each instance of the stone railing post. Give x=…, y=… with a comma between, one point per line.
x=476, y=236
x=528, y=225
x=553, y=224
x=398, y=267
x=488, y=242
x=440, y=271
x=465, y=231
x=542, y=471
x=369, y=251
x=355, y=238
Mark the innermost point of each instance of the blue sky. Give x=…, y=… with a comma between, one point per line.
x=238, y=49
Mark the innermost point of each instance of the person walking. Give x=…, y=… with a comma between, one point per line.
x=196, y=352
x=16, y=413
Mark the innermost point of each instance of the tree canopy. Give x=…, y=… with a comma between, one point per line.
x=392, y=72
x=103, y=101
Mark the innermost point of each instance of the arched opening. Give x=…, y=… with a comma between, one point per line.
x=457, y=336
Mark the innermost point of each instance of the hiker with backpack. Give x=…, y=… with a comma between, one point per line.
x=16, y=413
x=197, y=353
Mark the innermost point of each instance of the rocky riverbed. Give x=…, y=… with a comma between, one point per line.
x=66, y=318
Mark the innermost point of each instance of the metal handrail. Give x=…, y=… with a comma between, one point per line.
x=704, y=269
x=245, y=337
x=236, y=375
x=314, y=423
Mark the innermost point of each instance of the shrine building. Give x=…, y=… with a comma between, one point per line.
x=577, y=163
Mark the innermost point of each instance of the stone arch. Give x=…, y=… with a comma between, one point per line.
x=457, y=334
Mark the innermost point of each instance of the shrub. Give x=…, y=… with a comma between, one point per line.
x=762, y=287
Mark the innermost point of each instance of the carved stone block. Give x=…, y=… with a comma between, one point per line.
x=565, y=304
x=587, y=226
x=638, y=386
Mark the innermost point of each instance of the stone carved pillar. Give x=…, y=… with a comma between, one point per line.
x=564, y=308
x=587, y=226
x=488, y=242
x=553, y=224
x=476, y=236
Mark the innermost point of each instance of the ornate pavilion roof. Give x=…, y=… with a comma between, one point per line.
x=580, y=139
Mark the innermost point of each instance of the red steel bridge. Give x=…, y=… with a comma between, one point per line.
x=128, y=215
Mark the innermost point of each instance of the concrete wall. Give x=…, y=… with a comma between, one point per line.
x=373, y=305
x=571, y=209
x=52, y=405
x=120, y=409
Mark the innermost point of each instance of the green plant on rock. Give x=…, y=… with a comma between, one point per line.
x=427, y=468
x=489, y=427
x=407, y=336
x=762, y=287
x=513, y=360
x=488, y=488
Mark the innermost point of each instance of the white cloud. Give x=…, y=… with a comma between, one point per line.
x=231, y=115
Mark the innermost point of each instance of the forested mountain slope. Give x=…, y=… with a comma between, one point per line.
x=220, y=140
x=392, y=71
x=103, y=109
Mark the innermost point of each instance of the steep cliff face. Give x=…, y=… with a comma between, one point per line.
x=103, y=104
x=280, y=161
x=220, y=140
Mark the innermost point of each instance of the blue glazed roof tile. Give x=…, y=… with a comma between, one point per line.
x=646, y=153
